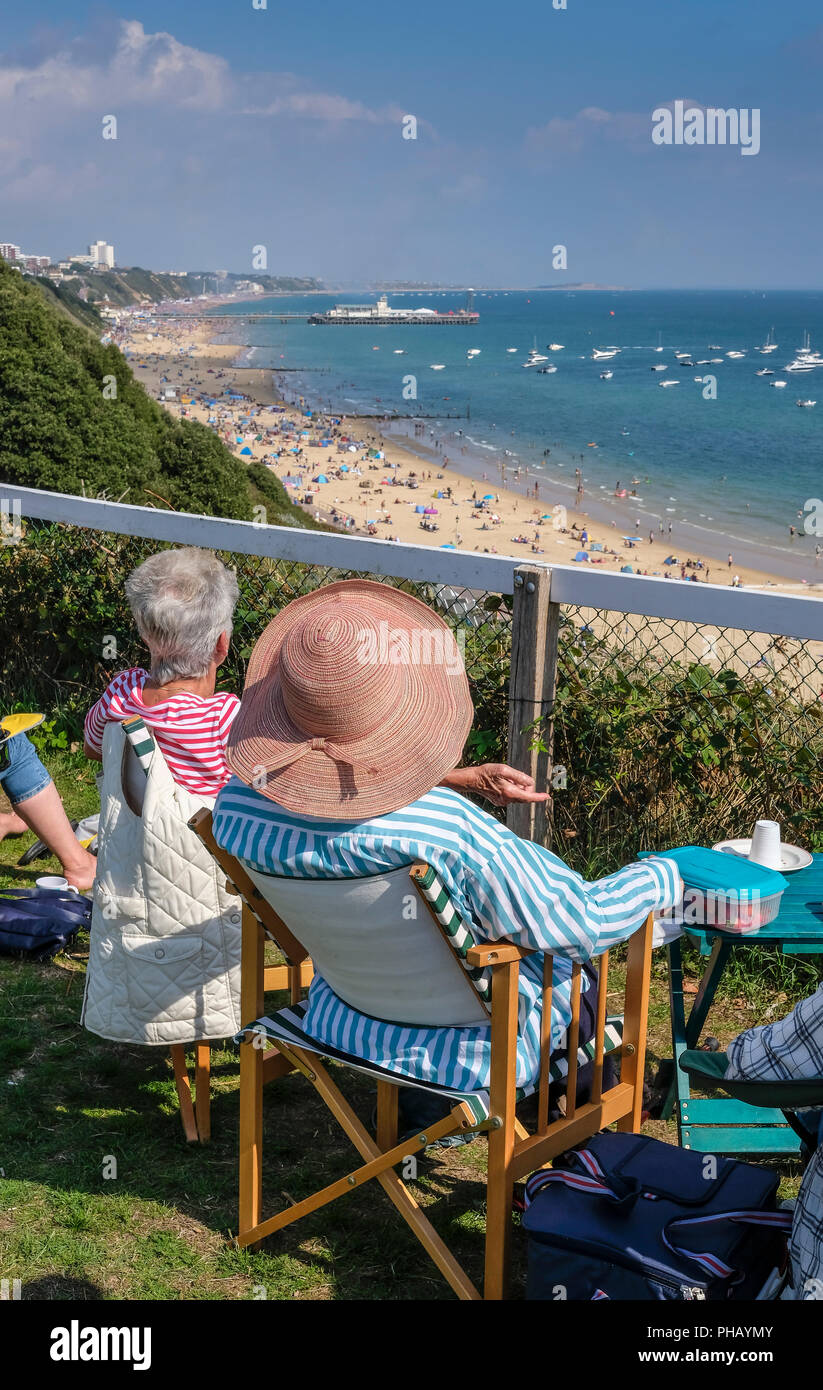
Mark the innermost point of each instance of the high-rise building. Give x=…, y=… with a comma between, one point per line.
x=9, y=251
x=102, y=255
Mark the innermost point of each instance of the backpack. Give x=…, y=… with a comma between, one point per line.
x=38, y=924
x=627, y=1217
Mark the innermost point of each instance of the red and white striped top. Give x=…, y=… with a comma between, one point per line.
x=191, y=730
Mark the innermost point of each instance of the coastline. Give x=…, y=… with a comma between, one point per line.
x=186, y=354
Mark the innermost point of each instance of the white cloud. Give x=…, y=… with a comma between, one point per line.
x=565, y=135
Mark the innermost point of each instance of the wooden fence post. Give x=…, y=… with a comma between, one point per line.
x=535, y=628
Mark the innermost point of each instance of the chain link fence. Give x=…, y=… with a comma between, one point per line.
x=664, y=732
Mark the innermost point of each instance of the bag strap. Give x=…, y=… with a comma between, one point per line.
x=711, y=1264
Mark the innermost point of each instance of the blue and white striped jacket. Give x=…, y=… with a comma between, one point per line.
x=507, y=887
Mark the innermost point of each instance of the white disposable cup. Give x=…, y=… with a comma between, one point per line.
x=56, y=883
x=765, y=847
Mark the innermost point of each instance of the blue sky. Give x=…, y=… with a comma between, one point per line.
x=283, y=127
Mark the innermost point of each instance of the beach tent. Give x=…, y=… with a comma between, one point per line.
x=626, y=569
x=321, y=478
x=247, y=450
x=238, y=439
x=344, y=468
x=420, y=509
x=596, y=545
x=581, y=555
x=670, y=560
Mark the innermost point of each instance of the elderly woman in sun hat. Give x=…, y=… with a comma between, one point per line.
x=355, y=712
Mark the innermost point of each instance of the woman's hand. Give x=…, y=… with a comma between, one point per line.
x=499, y=783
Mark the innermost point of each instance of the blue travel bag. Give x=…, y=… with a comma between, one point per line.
x=37, y=925
x=626, y=1217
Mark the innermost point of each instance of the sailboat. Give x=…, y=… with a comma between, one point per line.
x=659, y=347
x=770, y=345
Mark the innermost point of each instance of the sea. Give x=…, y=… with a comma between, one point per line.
x=725, y=466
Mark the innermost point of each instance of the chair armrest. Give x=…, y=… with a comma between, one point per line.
x=497, y=953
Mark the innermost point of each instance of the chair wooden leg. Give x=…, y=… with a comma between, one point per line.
x=502, y=1095
x=202, y=1090
x=183, y=1084
x=387, y=1100
x=250, y=1172
x=635, y=1026
x=392, y=1185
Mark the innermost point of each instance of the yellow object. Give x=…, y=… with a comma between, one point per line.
x=20, y=723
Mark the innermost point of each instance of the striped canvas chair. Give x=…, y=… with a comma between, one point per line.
x=421, y=968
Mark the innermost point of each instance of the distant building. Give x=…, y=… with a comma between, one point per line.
x=10, y=252
x=101, y=255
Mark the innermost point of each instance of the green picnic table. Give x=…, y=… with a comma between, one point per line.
x=717, y=1124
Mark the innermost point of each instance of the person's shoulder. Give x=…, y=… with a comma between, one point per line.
x=133, y=678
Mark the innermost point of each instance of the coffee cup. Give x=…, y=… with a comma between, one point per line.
x=56, y=884
x=765, y=846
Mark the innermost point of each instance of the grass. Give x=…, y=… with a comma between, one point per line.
x=101, y=1197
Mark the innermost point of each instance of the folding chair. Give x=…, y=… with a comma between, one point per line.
x=706, y=1070
x=417, y=967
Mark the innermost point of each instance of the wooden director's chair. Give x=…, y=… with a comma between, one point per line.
x=428, y=971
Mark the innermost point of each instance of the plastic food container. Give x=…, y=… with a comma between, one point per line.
x=724, y=891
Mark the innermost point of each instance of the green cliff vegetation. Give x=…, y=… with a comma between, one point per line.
x=74, y=419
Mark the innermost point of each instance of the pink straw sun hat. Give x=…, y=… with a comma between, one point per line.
x=356, y=703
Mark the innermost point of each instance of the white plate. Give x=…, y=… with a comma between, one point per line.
x=792, y=857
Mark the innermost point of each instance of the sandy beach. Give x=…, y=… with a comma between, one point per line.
x=371, y=483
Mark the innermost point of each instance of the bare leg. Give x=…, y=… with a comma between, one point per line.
x=44, y=814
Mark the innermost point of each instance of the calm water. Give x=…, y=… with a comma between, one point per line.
x=731, y=473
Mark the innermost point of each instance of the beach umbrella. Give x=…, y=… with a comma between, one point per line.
x=247, y=450
x=626, y=569
x=321, y=478
x=489, y=497
x=344, y=468
x=581, y=555
x=238, y=439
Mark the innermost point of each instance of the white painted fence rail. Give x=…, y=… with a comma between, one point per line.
x=714, y=604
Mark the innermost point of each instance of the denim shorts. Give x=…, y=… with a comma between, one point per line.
x=22, y=775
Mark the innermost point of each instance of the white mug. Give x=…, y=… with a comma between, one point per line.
x=56, y=884
x=765, y=846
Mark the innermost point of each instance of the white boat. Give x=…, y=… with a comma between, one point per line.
x=660, y=368
x=806, y=404
x=438, y=366
x=714, y=347
x=805, y=360
x=556, y=347
x=534, y=356
x=604, y=354
x=770, y=345
x=765, y=371
x=659, y=347
x=778, y=385
x=399, y=352
x=704, y=362
x=474, y=352
x=546, y=371
x=606, y=376
x=716, y=361
x=680, y=355
x=511, y=349
x=735, y=354
x=668, y=383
